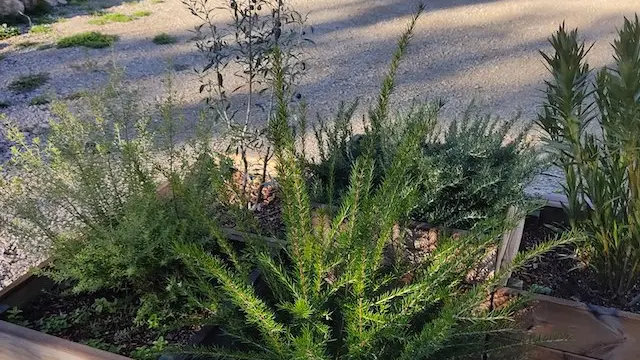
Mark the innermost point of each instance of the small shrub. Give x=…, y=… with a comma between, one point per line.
x=106, y=18
x=474, y=169
x=93, y=198
x=4, y=104
x=164, y=39
x=40, y=100
x=27, y=83
x=601, y=164
x=92, y=39
x=41, y=29
x=477, y=171
x=7, y=31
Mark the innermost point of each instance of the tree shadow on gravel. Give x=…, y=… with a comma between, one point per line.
x=342, y=66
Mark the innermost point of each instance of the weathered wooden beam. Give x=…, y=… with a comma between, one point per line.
x=19, y=343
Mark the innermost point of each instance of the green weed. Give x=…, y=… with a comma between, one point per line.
x=28, y=83
x=90, y=39
x=40, y=100
x=40, y=29
x=77, y=95
x=106, y=18
x=46, y=46
x=164, y=39
x=7, y=31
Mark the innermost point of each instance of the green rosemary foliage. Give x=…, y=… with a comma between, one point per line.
x=476, y=169
x=335, y=291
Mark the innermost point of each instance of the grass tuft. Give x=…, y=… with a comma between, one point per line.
x=40, y=29
x=28, y=83
x=40, y=100
x=164, y=39
x=90, y=39
x=141, y=13
x=77, y=95
x=106, y=18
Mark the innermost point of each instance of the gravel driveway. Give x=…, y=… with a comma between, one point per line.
x=462, y=50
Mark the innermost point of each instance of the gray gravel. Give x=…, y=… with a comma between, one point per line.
x=462, y=50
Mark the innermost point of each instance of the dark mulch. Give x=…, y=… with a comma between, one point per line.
x=88, y=319
x=562, y=272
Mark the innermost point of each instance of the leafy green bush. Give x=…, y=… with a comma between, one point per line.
x=7, y=31
x=478, y=170
x=594, y=130
x=89, y=193
x=91, y=39
x=472, y=170
x=337, y=290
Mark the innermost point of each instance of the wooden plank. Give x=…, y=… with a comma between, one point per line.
x=19, y=343
x=21, y=279
x=24, y=289
x=591, y=331
x=545, y=353
x=510, y=244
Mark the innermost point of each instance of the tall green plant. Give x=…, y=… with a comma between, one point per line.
x=594, y=129
x=335, y=291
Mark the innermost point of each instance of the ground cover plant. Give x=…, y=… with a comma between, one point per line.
x=27, y=83
x=164, y=39
x=592, y=126
x=7, y=31
x=40, y=100
x=90, y=39
x=106, y=18
x=41, y=29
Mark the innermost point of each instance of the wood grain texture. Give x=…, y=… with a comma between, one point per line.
x=591, y=332
x=510, y=243
x=19, y=343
